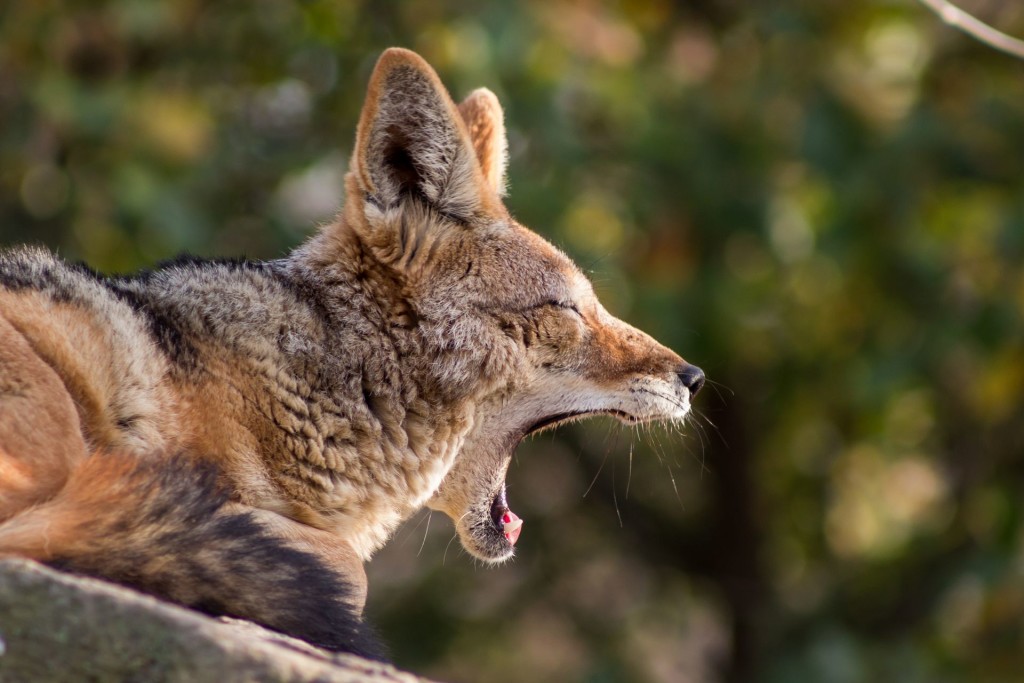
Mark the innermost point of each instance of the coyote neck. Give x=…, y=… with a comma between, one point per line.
x=332, y=402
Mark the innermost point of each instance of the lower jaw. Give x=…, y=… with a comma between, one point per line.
x=481, y=530
x=492, y=550
x=497, y=548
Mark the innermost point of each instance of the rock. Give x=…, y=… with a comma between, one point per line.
x=55, y=627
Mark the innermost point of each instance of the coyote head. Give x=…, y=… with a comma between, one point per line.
x=506, y=327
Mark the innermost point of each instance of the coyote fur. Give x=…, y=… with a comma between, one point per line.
x=239, y=437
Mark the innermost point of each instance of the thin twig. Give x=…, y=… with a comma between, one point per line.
x=969, y=24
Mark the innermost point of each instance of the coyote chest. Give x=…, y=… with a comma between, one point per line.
x=341, y=458
x=312, y=409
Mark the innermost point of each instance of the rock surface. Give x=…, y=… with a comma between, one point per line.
x=55, y=628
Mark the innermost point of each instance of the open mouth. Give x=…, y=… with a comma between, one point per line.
x=564, y=418
x=504, y=520
x=505, y=525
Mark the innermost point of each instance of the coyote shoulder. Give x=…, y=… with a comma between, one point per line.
x=239, y=437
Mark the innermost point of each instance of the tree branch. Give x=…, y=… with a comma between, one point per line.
x=957, y=18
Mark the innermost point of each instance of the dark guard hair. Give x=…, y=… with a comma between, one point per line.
x=180, y=542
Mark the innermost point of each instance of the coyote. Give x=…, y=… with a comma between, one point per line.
x=239, y=437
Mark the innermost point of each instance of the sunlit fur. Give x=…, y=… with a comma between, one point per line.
x=393, y=361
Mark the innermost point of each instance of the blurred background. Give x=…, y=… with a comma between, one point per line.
x=821, y=204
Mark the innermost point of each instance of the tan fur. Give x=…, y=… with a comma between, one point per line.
x=486, y=123
x=106, y=364
x=61, y=524
x=40, y=435
x=393, y=361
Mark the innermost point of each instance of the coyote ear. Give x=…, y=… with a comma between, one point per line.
x=411, y=140
x=483, y=116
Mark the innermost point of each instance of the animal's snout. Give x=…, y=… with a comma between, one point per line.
x=692, y=378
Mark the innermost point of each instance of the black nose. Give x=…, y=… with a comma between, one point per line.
x=693, y=378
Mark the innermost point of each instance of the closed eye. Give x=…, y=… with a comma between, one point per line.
x=565, y=305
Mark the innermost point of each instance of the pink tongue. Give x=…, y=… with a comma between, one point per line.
x=512, y=526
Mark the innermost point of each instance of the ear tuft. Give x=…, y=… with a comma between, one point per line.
x=411, y=140
x=486, y=123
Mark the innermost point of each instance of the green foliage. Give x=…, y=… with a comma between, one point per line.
x=821, y=204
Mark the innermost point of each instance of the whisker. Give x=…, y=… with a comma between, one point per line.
x=599, y=469
x=615, y=498
x=444, y=557
x=609, y=431
x=719, y=387
x=629, y=476
x=677, y=427
x=717, y=430
x=675, y=487
x=657, y=453
x=665, y=397
x=703, y=449
x=425, y=533
x=407, y=532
